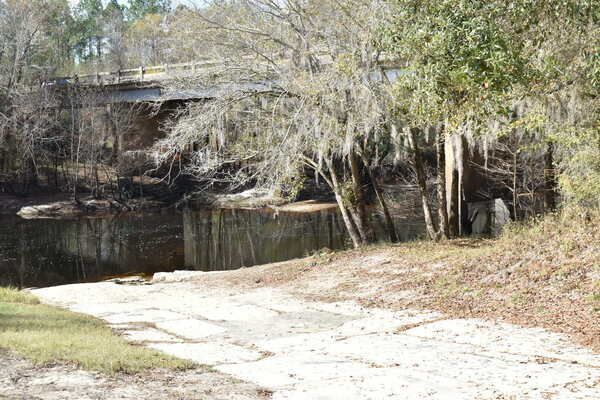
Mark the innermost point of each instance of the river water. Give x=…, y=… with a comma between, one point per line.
x=47, y=252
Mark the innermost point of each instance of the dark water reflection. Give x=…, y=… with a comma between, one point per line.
x=47, y=252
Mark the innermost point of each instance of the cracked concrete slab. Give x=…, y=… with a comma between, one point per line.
x=150, y=335
x=312, y=350
x=506, y=338
x=190, y=328
x=212, y=353
x=140, y=316
x=295, y=369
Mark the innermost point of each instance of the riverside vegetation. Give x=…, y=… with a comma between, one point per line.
x=466, y=101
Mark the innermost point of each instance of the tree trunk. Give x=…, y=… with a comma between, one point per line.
x=514, y=184
x=453, y=159
x=453, y=204
x=549, y=179
x=389, y=222
x=441, y=184
x=348, y=221
x=115, y=156
x=99, y=47
x=421, y=182
x=337, y=190
x=359, y=209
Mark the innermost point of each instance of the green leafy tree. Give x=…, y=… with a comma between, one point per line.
x=89, y=40
x=138, y=9
x=114, y=30
x=55, y=46
x=462, y=59
x=147, y=40
x=471, y=64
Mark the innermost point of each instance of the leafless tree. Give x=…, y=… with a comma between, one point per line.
x=290, y=91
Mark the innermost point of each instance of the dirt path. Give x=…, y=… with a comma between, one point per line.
x=302, y=349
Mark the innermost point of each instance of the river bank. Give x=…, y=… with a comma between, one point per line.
x=61, y=205
x=52, y=204
x=472, y=318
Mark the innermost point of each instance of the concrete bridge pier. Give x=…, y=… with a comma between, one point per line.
x=140, y=128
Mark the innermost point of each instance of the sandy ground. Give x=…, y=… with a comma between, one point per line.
x=20, y=379
x=271, y=337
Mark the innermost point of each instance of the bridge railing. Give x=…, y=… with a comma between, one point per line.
x=144, y=74
x=133, y=75
x=151, y=74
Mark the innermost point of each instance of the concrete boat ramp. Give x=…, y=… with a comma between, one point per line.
x=306, y=350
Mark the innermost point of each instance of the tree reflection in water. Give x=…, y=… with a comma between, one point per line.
x=45, y=252
x=228, y=239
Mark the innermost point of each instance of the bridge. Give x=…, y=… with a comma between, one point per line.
x=145, y=84
x=137, y=87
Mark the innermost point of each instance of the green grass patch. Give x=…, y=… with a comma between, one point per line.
x=595, y=300
x=46, y=334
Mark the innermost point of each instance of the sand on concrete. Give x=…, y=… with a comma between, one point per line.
x=301, y=349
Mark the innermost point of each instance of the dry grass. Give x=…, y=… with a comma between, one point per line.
x=9, y=295
x=47, y=334
x=544, y=273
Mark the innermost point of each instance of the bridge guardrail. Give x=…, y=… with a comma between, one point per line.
x=141, y=74
x=131, y=75
x=145, y=74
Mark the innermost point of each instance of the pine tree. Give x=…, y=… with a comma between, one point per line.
x=138, y=9
x=88, y=15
